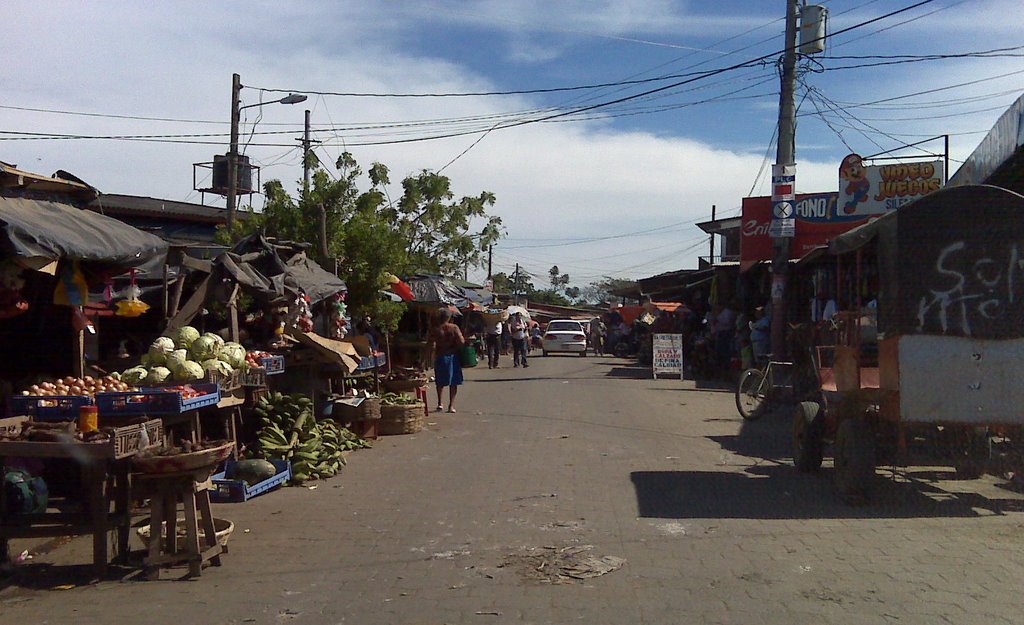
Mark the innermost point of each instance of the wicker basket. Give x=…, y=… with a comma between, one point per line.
x=403, y=419
x=368, y=409
x=203, y=461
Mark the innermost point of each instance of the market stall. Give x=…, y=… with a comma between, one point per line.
x=52, y=255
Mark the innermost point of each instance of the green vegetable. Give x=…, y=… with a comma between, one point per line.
x=233, y=354
x=253, y=471
x=159, y=350
x=190, y=371
x=204, y=348
x=185, y=336
x=158, y=375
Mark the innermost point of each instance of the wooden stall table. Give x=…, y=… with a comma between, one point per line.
x=100, y=463
x=165, y=491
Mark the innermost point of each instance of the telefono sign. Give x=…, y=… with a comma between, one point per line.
x=817, y=221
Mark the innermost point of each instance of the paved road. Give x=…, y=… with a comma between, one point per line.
x=472, y=519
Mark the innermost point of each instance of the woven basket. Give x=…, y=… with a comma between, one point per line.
x=404, y=419
x=401, y=386
x=368, y=409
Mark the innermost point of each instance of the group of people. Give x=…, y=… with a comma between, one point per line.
x=517, y=331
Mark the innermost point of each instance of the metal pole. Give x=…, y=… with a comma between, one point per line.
x=236, y=87
x=785, y=154
x=711, y=256
x=945, y=169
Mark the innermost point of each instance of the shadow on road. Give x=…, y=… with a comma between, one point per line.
x=779, y=492
x=773, y=489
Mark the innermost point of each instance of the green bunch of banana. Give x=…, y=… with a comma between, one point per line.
x=289, y=431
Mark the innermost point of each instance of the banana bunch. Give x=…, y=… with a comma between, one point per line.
x=290, y=432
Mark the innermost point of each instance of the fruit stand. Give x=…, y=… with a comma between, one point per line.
x=104, y=459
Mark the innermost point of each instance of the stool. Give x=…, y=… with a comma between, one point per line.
x=165, y=492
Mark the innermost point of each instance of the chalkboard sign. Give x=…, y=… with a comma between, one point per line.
x=668, y=354
x=959, y=261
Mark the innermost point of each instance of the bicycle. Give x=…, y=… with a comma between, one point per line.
x=762, y=388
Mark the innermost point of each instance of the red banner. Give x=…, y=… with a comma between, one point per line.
x=816, y=224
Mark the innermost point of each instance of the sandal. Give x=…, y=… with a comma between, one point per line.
x=451, y=410
x=439, y=408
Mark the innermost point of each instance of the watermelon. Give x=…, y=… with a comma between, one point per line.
x=253, y=471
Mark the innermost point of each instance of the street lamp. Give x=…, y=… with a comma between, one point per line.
x=236, y=87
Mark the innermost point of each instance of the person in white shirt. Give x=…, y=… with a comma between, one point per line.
x=517, y=330
x=493, y=342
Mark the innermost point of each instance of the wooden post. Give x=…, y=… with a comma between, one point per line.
x=233, y=313
x=179, y=286
x=78, y=365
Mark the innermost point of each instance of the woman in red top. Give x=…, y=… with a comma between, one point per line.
x=447, y=340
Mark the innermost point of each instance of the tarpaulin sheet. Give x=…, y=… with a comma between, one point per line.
x=435, y=289
x=40, y=228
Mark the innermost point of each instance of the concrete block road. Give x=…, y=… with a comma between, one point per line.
x=577, y=461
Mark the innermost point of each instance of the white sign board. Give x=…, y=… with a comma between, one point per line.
x=668, y=354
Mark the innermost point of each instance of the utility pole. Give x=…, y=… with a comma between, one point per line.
x=490, y=262
x=305, y=158
x=784, y=183
x=515, y=285
x=236, y=88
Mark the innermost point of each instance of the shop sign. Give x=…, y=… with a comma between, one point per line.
x=668, y=354
x=783, y=225
x=877, y=189
x=815, y=218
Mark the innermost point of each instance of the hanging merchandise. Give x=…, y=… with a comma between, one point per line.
x=300, y=316
x=338, y=316
x=12, y=302
x=131, y=306
x=72, y=288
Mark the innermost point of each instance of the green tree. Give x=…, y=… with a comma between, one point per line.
x=559, y=281
x=426, y=230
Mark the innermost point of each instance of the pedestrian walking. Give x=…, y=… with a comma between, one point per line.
x=492, y=339
x=598, y=331
x=517, y=331
x=446, y=340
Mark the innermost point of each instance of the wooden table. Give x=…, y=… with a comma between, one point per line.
x=99, y=465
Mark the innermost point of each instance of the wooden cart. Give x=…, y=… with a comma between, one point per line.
x=949, y=353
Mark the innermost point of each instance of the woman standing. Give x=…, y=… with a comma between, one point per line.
x=446, y=340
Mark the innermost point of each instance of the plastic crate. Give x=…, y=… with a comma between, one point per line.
x=128, y=438
x=374, y=360
x=64, y=408
x=155, y=401
x=236, y=491
x=273, y=364
x=228, y=383
x=254, y=377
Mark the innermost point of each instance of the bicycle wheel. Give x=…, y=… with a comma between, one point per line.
x=750, y=394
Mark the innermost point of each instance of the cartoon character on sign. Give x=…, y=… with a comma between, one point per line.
x=852, y=170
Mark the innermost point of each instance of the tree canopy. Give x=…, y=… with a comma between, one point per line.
x=426, y=230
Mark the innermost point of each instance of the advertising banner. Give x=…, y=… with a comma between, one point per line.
x=816, y=222
x=877, y=189
x=668, y=354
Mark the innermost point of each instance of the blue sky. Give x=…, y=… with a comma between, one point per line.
x=651, y=165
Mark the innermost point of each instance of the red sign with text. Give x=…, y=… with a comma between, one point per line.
x=816, y=224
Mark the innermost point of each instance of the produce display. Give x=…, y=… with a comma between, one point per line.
x=185, y=357
x=55, y=433
x=252, y=471
x=186, y=390
x=290, y=432
x=397, y=399
x=254, y=357
x=85, y=386
x=406, y=373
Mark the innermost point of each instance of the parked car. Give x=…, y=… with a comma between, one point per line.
x=565, y=335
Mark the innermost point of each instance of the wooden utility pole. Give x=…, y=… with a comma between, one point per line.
x=232, y=199
x=785, y=157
